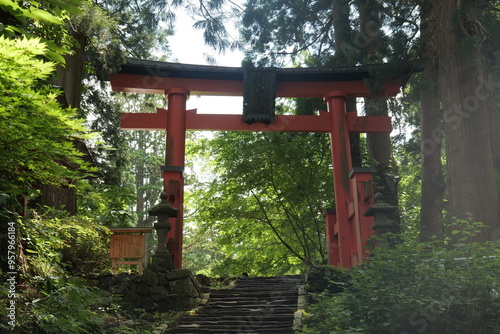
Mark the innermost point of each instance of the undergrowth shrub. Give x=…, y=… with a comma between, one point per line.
x=71, y=309
x=325, y=277
x=418, y=287
x=53, y=248
x=76, y=244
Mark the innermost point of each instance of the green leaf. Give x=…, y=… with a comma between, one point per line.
x=54, y=56
x=42, y=15
x=10, y=5
x=71, y=7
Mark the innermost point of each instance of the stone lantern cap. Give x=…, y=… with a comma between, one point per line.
x=163, y=208
x=379, y=207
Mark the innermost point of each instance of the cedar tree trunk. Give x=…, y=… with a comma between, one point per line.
x=433, y=186
x=378, y=144
x=466, y=115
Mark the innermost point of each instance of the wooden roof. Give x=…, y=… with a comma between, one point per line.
x=146, y=76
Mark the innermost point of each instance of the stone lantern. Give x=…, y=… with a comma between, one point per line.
x=382, y=225
x=162, y=259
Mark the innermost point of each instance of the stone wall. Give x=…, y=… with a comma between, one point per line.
x=153, y=291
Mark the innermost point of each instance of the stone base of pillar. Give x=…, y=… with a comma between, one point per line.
x=161, y=263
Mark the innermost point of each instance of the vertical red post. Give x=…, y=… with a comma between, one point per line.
x=332, y=237
x=362, y=191
x=342, y=164
x=173, y=177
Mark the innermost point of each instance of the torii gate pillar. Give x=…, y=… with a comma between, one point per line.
x=173, y=170
x=347, y=229
x=342, y=164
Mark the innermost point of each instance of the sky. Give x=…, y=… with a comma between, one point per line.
x=188, y=47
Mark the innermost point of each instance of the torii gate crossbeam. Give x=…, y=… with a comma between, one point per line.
x=347, y=229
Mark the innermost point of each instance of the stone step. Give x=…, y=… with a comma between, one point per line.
x=233, y=324
x=249, y=292
x=258, y=305
x=230, y=330
x=256, y=311
x=252, y=298
x=284, y=330
x=268, y=285
x=274, y=294
x=254, y=308
x=211, y=318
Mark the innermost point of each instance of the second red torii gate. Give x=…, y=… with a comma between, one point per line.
x=347, y=229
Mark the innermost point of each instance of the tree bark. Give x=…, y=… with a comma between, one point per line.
x=433, y=186
x=139, y=181
x=379, y=145
x=466, y=116
x=346, y=54
x=59, y=198
x=70, y=77
x=342, y=31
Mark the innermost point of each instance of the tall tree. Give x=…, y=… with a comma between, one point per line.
x=433, y=186
x=467, y=116
x=346, y=52
x=374, y=48
x=278, y=32
x=37, y=133
x=108, y=32
x=491, y=21
x=148, y=148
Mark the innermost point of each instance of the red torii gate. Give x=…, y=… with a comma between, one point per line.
x=347, y=228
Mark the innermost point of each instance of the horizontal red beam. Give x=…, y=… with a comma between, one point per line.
x=283, y=123
x=158, y=85
x=370, y=124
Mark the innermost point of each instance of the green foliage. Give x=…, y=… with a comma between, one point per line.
x=67, y=310
x=326, y=277
x=37, y=134
x=276, y=32
x=52, y=247
x=128, y=161
x=200, y=251
x=108, y=204
x=141, y=26
x=409, y=191
x=418, y=287
x=44, y=20
x=57, y=245
x=276, y=29
x=266, y=196
x=109, y=198
x=71, y=308
x=102, y=39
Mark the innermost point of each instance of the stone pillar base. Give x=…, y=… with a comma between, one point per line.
x=161, y=263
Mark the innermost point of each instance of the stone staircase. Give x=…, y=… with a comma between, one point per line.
x=257, y=305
